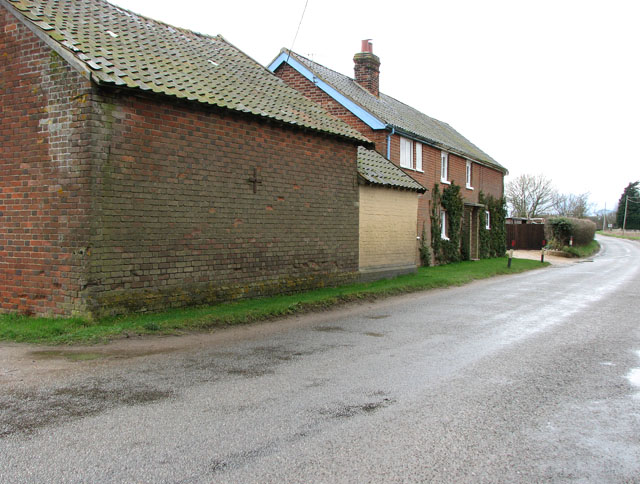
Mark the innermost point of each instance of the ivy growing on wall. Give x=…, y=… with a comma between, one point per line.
x=425, y=250
x=465, y=246
x=493, y=242
x=449, y=200
x=484, y=235
x=436, y=229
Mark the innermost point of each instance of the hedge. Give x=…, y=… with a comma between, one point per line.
x=559, y=231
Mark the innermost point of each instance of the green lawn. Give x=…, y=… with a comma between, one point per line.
x=77, y=330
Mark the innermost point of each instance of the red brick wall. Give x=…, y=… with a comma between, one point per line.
x=112, y=202
x=487, y=180
x=44, y=174
x=179, y=222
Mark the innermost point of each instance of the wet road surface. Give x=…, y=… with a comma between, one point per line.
x=526, y=378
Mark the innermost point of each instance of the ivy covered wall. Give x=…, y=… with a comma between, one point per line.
x=455, y=247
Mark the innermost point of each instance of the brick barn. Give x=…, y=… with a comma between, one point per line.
x=144, y=166
x=430, y=150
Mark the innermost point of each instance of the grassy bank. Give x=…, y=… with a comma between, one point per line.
x=629, y=236
x=582, y=250
x=76, y=330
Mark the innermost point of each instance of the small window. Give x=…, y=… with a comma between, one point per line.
x=444, y=167
x=443, y=225
x=469, y=175
x=418, y=156
x=406, y=153
x=487, y=218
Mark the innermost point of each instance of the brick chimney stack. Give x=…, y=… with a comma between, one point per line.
x=367, y=68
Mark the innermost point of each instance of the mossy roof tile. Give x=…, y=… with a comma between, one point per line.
x=126, y=49
x=377, y=170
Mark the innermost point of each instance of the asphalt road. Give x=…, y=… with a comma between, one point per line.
x=526, y=378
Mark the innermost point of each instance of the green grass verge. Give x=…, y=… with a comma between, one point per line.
x=76, y=330
x=619, y=236
x=582, y=250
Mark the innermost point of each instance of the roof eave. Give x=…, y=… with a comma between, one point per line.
x=389, y=185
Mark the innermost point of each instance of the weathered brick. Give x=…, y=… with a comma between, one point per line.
x=119, y=201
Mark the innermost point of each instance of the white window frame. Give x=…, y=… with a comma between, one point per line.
x=406, y=153
x=443, y=225
x=444, y=167
x=487, y=217
x=419, y=157
x=469, y=174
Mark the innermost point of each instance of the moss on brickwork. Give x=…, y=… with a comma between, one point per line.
x=54, y=61
x=123, y=302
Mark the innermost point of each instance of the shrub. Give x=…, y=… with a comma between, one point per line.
x=559, y=231
x=583, y=231
x=493, y=242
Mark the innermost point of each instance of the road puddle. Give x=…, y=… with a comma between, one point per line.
x=374, y=334
x=328, y=329
x=78, y=356
x=67, y=355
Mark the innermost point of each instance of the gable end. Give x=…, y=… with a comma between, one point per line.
x=359, y=112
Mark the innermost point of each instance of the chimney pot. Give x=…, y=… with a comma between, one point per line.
x=367, y=46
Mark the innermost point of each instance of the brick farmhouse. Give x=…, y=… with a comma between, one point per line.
x=429, y=150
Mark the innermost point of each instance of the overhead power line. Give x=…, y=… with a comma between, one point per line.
x=298, y=29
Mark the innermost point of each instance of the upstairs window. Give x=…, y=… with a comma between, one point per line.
x=418, y=156
x=469, y=186
x=406, y=153
x=444, y=167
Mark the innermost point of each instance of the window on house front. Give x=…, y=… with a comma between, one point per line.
x=418, y=156
x=406, y=153
x=443, y=225
x=487, y=218
x=469, y=174
x=444, y=167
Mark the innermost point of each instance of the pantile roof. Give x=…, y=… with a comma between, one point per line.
x=121, y=48
x=398, y=115
x=376, y=169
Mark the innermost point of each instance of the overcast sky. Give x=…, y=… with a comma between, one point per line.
x=547, y=87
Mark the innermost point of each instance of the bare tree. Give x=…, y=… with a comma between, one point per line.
x=572, y=205
x=530, y=196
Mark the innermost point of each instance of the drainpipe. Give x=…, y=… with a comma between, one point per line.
x=393, y=131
